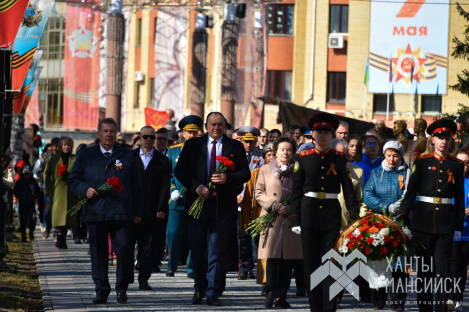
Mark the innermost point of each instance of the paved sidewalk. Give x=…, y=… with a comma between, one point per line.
x=65, y=278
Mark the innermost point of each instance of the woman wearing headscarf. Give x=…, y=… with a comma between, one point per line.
x=383, y=192
x=279, y=245
x=61, y=196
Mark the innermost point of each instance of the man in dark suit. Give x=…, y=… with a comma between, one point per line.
x=108, y=211
x=155, y=177
x=195, y=169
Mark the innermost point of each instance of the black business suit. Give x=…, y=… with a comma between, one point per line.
x=155, y=181
x=191, y=171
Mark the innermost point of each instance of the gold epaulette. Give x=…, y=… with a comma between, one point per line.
x=338, y=153
x=454, y=158
x=425, y=156
x=310, y=151
x=177, y=145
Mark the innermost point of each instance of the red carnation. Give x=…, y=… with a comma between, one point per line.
x=61, y=170
x=387, y=238
x=366, y=222
x=395, y=243
x=367, y=251
x=350, y=235
x=380, y=226
x=370, y=240
x=383, y=251
x=350, y=246
x=360, y=236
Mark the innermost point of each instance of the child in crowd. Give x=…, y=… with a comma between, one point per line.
x=27, y=190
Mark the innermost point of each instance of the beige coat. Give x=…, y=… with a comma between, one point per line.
x=358, y=182
x=280, y=242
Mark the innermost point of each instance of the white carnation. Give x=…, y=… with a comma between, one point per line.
x=407, y=232
x=384, y=231
x=343, y=249
x=356, y=232
x=283, y=167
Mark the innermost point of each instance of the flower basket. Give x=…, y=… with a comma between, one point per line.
x=381, y=239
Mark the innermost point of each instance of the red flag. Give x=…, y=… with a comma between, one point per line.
x=81, y=81
x=11, y=15
x=156, y=119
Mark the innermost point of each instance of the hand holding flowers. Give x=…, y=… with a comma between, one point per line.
x=262, y=224
x=112, y=183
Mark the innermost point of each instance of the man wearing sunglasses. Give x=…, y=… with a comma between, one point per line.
x=438, y=216
x=177, y=222
x=155, y=176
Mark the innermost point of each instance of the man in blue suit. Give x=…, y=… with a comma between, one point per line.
x=196, y=167
x=177, y=223
x=108, y=211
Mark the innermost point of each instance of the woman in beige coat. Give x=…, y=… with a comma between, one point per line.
x=279, y=245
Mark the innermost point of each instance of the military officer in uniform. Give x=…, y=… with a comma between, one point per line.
x=315, y=209
x=307, y=134
x=248, y=136
x=177, y=226
x=438, y=216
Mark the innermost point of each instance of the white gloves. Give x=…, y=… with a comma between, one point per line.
x=457, y=235
x=296, y=230
x=393, y=208
x=175, y=195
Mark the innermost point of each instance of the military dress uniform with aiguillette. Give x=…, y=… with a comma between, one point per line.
x=315, y=207
x=437, y=180
x=177, y=223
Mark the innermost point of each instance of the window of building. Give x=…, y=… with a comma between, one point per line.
x=338, y=18
x=53, y=39
x=336, y=86
x=139, y=31
x=431, y=104
x=380, y=103
x=278, y=84
x=51, y=93
x=279, y=18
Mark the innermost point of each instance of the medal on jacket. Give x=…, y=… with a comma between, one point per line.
x=118, y=164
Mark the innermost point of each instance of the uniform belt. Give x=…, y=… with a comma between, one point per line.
x=322, y=195
x=436, y=200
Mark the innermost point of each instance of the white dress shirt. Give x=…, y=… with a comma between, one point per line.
x=104, y=151
x=146, y=157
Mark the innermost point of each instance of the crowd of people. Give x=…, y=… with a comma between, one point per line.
x=317, y=178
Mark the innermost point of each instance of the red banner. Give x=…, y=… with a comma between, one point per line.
x=156, y=119
x=31, y=116
x=11, y=15
x=81, y=81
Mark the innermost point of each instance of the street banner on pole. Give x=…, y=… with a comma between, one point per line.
x=19, y=97
x=11, y=15
x=82, y=59
x=33, y=84
x=27, y=39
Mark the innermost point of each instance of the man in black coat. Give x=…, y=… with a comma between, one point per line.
x=155, y=177
x=438, y=180
x=111, y=211
x=195, y=169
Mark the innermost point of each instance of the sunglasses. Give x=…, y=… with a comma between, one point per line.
x=148, y=137
x=372, y=144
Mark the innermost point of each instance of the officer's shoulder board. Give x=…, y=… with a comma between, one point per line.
x=338, y=153
x=177, y=145
x=425, y=156
x=454, y=158
x=308, y=152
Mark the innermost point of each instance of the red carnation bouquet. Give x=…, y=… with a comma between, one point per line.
x=224, y=163
x=112, y=183
x=62, y=171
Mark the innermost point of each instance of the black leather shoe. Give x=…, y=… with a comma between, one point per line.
x=243, y=276
x=269, y=301
x=77, y=241
x=144, y=286
x=213, y=302
x=282, y=304
x=99, y=300
x=85, y=240
x=197, y=298
x=122, y=297
x=170, y=273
